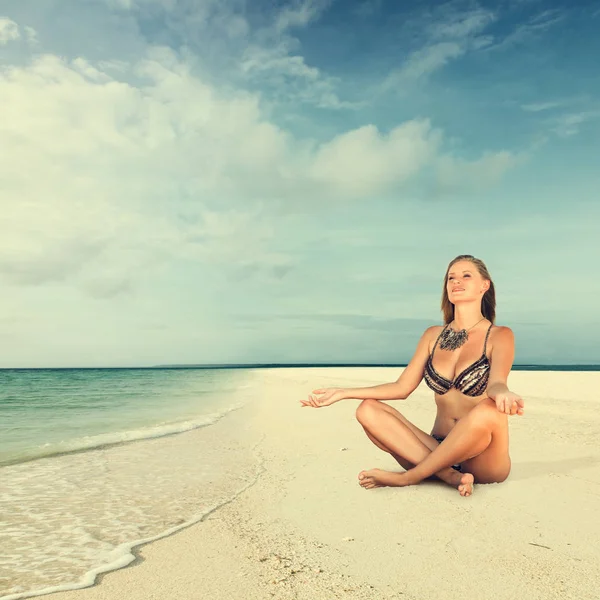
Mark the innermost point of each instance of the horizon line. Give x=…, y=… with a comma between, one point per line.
x=520, y=366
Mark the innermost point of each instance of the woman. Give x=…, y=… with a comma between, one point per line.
x=466, y=363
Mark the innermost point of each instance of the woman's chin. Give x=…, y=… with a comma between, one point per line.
x=457, y=299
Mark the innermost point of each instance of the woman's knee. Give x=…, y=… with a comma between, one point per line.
x=366, y=410
x=486, y=414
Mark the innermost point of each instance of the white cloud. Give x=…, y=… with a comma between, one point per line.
x=290, y=78
x=104, y=179
x=299, y=14
x=427, y=60
x=267, y=57
x=31, y=34
x=449, y=35
x=546, y=19
x=525, y=32
x=461, y=25
x=540, y=106
x=134, y=4
x=563, y=123
x=93, y=169
x=272, y=61
x=363, y=162
x=454, y=174
x=569, y=124
x=9, y=31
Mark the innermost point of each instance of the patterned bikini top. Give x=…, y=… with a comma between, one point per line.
x=471, y=382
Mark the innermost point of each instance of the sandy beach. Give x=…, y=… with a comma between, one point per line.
x=305, y=529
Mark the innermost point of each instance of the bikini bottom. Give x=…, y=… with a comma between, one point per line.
x=440, y=439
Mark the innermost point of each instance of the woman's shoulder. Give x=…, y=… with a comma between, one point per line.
x=434, y=330
x=431, y=334
x=501, y=334
x=501, y=331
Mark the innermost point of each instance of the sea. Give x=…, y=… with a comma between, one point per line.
x=94, y=462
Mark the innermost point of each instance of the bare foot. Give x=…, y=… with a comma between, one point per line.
x=465, y=484
x=375, y=478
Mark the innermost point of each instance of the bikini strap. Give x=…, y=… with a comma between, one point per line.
x=486, y=338
x=438, y=338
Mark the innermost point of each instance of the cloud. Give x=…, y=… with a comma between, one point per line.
x=9, y=31
x=259, y=53
x=31, y=35
x=137, y=4
x=288, y=78
x=564, y=123
x=449, y=34
x=524, y=33
x=461, y=25
x=105, y=180
x=299, y=14
x=363, y=161
x=429, y=59
x=272, y=62
x=569, y=124
x=540, y=106
x=455, y=174
x=114, y=169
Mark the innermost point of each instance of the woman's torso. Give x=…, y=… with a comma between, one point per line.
x=468, y=366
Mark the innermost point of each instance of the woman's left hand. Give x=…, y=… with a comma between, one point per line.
x=510, y=403
x=330, y=396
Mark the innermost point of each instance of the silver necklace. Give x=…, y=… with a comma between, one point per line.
x=451, y=340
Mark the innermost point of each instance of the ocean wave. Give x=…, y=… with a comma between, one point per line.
x=123, y=554
x=105, y=440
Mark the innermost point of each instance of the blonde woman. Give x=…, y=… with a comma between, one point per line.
x=466, y=364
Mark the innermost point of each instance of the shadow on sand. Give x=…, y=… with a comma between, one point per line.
x=539, y=468
x=528, y=470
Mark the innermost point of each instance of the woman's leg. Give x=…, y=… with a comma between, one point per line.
x=363, y=415
x=479, y=441
x=409, y=445
x=401, y=461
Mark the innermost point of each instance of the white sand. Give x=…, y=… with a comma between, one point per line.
x=307, y=530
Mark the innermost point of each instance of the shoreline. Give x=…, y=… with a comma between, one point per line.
x=305, y=528
x=112, y=475
x=575, y=367
x=150, y=434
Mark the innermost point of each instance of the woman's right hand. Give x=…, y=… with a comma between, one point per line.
x=329, y=396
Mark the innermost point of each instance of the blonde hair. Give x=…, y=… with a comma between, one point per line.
x=488, y=302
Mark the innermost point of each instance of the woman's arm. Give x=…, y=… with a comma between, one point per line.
x=405, y=385
x=503, y=355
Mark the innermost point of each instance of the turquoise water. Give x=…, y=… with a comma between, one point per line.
x=90, y=465
x=43, y=412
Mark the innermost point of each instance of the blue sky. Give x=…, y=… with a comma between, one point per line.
x=203, y=181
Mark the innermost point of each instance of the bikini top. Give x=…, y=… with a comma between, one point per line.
x=471, y=382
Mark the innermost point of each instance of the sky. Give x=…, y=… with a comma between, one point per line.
x=226, y=181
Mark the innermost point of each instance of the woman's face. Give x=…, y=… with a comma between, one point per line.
x=464, y=282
